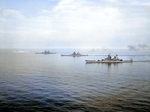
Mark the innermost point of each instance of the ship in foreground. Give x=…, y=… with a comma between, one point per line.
x=45, y=52
x=110, y=60
x=74, y=54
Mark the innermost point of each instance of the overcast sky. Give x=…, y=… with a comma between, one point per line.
x=74, y=24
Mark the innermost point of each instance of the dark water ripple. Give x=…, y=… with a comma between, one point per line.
x=51, y=83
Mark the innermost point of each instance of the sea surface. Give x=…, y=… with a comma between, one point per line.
x=32, y=82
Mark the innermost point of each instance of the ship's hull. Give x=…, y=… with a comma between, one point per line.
x=108, y=61
x=74, y=55
x=44, y=53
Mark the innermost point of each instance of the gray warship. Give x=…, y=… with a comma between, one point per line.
x=74, y=54
x=45, y=52
x=110, y=60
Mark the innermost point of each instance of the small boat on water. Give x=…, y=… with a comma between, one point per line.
x=74, y=54
x=20, y=51
x=110, y=60
x=45, y=52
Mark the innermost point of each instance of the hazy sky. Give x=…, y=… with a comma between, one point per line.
x=75, y=24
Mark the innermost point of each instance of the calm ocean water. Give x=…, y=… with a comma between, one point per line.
x=32, y=82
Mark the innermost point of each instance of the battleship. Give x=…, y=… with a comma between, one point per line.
x=74, y=54
x=45, y=52
x=110, y=60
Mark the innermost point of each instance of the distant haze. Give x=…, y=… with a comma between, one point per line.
x=75, y=24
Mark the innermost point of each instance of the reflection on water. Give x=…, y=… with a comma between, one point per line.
x=30, y=82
